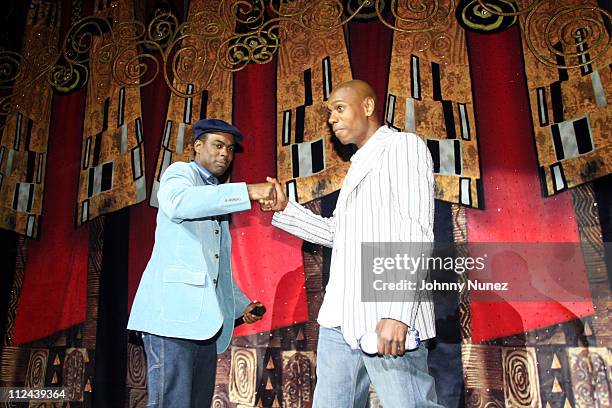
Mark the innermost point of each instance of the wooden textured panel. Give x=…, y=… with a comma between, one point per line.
x=521, y=380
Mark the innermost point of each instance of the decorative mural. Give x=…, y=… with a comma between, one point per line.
x=430, y=94
x=567, y=57
x=25, y=131
x=112, y=167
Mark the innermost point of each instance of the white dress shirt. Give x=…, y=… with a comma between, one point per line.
x=386, y=196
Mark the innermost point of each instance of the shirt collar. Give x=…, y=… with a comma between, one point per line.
x=364, y=150
x=206, y=175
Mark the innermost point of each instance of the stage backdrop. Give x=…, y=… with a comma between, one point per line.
x=511, y=99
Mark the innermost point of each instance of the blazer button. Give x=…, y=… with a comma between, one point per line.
x=216, y=256
x=215, y=282
x=216, y=232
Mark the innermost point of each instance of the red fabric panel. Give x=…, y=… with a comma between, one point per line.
x=514, y=211
x=267, y=262
x=155, y=97
x=370, y=55
x=54, y=291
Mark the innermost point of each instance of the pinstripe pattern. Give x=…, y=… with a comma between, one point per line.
x=387, y=196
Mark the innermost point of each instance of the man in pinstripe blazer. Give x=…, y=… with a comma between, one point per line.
x=386, y=196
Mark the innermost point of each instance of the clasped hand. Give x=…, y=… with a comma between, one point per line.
x=270, y=195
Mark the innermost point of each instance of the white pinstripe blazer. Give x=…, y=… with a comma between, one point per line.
x=387, y=196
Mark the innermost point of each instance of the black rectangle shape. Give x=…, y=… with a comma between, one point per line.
x=307, y=87
x=295, y=161
x=107, y=177
x=28, y=134
x=300, y=114
x=449, y=119
x=316, y=151
x=17, y=137
x=90, y=181
x=583, y=135
x=434, y=149
x=203, y=104
x=16, y=196
x=96, y=153
x=556, y=135
x=30, y=198
x=557, y=102
x=457, y=147
x=563, y=76
x=31, y=167
x=435, y=76
x=121, y=108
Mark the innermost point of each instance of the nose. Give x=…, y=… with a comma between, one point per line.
x=332, y=118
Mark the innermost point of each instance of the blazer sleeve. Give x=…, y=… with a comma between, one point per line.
x=410, y=169
x=303, y=223
x=180, y=198
x=241, y=301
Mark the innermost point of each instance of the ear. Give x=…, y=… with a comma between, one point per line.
x=369, y=106
x=197, y=145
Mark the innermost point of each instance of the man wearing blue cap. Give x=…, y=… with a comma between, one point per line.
x=187, y=300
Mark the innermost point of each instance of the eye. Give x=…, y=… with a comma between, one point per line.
x=219, y=146
x=340, y=108
x=231, y=149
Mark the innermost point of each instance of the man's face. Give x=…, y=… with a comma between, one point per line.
x=215, y=152
x=347, y=115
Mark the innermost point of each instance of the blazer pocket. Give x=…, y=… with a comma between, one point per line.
x=182, y=295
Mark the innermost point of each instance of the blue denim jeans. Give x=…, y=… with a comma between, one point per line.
x=180, y=372
x=344, y=376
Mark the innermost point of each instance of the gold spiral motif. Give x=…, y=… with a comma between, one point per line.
x=243, y=368
x=137, y=368
x=519, y=377
x=191, y=52
x=580, y=31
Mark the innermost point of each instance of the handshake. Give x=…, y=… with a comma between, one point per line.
x=270, y=195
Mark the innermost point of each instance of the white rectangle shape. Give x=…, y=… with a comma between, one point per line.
x=409, y=121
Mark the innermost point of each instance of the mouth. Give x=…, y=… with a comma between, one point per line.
x=336, y=130
x=222, y=164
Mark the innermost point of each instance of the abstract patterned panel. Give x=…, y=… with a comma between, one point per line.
x=570, y=89
x=555, y=376
x=591, y=377
x=270, y=390
x=196, y=62
x=298, y=378
x=430, y=94
x=482, y=367
x=137, y=367
x=310, y=64
x=37, y=368
x=74, y=373
x=243, y=376
x=521, y=381
x=112, y=160
x=23, y=143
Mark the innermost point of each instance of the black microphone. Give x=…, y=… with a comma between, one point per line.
x=258, y=311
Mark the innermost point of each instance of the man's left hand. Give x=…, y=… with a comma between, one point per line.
x=391, y=337
x=249, y=317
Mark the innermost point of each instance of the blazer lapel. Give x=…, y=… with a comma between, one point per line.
x=371, y=161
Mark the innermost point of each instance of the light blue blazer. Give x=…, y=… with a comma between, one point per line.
x=187, y=289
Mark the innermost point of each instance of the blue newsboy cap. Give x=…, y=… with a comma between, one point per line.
x=204, y=126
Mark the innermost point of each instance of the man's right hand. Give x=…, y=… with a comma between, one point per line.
x=280, y=201
x=261, y=191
